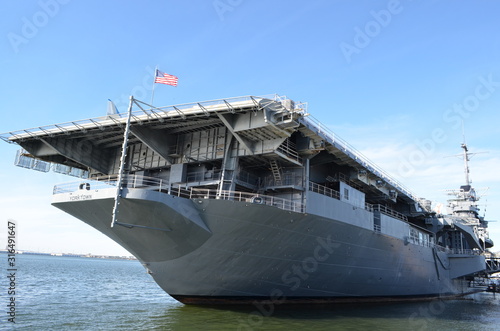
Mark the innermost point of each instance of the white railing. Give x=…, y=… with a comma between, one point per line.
x=314, y=187
x=287, y=179
x=369, y=206
x=246, y=177
x=202, y=176
x=357, y=156
x=289, y=149
x=158, y=184
x=201, y=193
x=390, y=212
x=131, y=181
x=456, y=250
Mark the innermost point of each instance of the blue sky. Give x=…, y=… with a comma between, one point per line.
x=393, y=78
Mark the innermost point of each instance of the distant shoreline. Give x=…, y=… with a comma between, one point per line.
x=110, y=257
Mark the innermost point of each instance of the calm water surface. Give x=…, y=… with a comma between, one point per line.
x=64, y=293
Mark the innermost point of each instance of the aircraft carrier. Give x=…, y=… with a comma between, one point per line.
x=251, y=198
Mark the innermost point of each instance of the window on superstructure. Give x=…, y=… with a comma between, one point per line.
x=346, y=194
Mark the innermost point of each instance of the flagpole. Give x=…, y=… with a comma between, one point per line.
x=154, y=83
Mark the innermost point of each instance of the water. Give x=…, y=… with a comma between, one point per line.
x=64, y=293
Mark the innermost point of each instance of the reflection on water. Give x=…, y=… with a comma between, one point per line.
x=61, y=293
x=478, y=313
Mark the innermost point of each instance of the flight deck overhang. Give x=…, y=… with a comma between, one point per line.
x=92, y=143
x=367, y=172
x=184, y=117
x=262, y=126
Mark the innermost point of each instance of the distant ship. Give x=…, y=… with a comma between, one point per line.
x=251, y=198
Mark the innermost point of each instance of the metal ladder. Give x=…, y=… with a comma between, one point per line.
x=276, y=172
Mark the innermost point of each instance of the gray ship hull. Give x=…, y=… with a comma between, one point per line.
x=218, y=251
x=251, y=198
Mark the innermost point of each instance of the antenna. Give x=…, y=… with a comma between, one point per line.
x=463, y=132
x=466, y=156
x=466, y=163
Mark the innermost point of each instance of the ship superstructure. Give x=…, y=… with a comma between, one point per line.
x=463, y=212
x=236, y=199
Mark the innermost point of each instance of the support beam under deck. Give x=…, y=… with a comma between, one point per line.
x=80, y=151
x=243, y=142
x=156, y=140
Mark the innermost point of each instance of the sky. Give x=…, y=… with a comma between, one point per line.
x=396, y=79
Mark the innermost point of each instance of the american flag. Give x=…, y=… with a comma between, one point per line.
x=164, y=78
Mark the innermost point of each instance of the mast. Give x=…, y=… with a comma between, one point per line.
x=466, y=163
x=154, y=84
